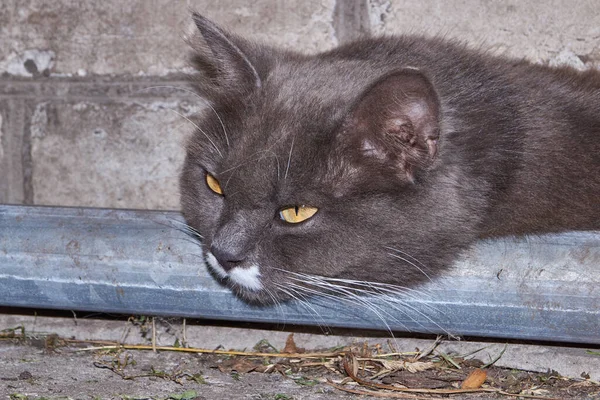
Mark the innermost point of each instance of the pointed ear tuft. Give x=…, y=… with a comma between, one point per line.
x=223, y=59
x=396, y=122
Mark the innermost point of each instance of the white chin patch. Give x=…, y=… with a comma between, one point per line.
x=248, y=278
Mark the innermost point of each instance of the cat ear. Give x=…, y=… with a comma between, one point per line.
x=396, y=121
x=223, y=59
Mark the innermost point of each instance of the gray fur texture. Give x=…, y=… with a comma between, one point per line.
x=411, y=149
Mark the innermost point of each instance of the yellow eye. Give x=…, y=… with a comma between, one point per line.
x=213, y=184
x=296, y=214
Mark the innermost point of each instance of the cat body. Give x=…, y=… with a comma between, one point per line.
x=403, y=150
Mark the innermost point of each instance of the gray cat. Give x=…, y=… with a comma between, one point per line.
x=379, y=161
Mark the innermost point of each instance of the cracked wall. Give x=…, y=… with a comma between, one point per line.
x=89, y=105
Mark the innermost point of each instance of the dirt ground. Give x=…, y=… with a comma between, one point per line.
x=49, y=366
x=30, y=372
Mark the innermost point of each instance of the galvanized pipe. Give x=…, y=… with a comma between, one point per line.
x=141, y=262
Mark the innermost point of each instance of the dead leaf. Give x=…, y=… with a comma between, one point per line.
x=290, y=346
x=474, y=380
x=350, y=365
x=238, y=365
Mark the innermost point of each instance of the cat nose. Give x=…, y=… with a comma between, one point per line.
x=227, y=258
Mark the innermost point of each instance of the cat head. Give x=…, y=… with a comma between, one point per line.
x=306, y=171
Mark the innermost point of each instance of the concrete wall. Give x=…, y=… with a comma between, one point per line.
x=91, y=113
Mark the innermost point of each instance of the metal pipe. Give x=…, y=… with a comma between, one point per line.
x=141, y=262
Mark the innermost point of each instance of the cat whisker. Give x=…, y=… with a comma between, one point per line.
x=347, y=293
x=393, y=298
x=410, y=263
x=199, y=97
x=299, y=297
x=301, y=293
x=227, y=181
x=200, y=129
x=298, y=293
x=186, y=228
x=191, y=241
x=346, y=290
x=240, y=164
x=377, y=287
x=373, y=287
x=270, y=150
x=252, y=159
x=184, y=239
x=385, y=293
x=392, y=293
x=277, y=303
x=396, y=300
x=407, y=255
x=191, y=233
x=352, y=298
x=289, y=159
x=249, y=160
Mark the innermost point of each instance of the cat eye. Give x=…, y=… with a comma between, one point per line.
x=296, y=214
x=213, y=184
